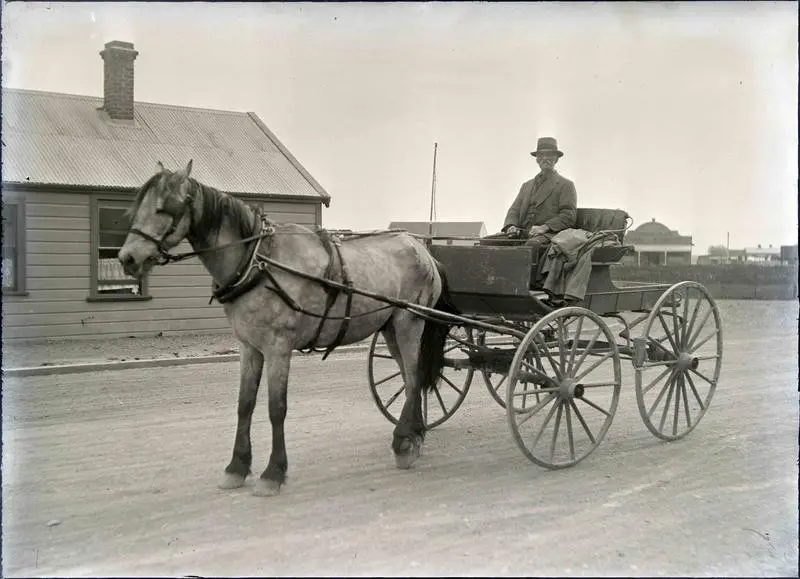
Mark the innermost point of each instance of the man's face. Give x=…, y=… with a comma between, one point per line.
x=546, y=161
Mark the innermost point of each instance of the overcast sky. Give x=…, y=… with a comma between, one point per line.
x=686, y=113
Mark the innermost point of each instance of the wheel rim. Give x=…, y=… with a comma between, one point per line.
x=678, y=378
x=564, y=387
x=388, y=389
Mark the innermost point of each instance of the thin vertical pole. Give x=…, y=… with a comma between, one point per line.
x=433, y=192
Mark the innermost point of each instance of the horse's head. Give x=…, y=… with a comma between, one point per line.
x=161, y=218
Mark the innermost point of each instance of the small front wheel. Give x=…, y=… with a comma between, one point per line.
x=388, y=387
x=564, y=386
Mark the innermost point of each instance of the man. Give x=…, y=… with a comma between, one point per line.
x=547, y=203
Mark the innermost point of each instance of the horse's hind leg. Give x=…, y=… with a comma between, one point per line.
x=251, y=365
x=410, y=430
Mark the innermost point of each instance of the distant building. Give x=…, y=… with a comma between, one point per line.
x=657, y=244
x=765, y=255
x=789, y=254
x=446, y=229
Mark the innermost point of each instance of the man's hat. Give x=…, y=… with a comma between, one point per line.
x=547, y=145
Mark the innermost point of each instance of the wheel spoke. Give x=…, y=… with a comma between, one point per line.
x=690, y=327
x=393, y=398
x=552, y=362
x=699, y=329
x=706, y=339
x=666, y=405
x=682, y=337
x=574, y=348
x=542, y=427
x=598, y=384
x=595, y=406
x=582, y=421
x=530, y=412
x=555, y=431
x=677, y=404
x=586, y=350
x=562, y=341
x=667, y=384
x=595, y=365
x=686, y=403
x=647, y=388
x=661, y=346
x=569, y=432
x=711, y=382
x=696, y=394
x=383, y=356
x=675, y=325
x=441, y=401
x=395, y=375
x=667, y=333
x=453, y=386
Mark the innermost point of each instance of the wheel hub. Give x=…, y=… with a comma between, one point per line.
x=686, y=361
x=568, y=389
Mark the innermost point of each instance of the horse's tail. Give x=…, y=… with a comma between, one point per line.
x=434, y=335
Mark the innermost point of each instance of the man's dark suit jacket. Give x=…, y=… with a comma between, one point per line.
x=551, y=201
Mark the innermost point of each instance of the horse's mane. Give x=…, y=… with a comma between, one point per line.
x=216, y=206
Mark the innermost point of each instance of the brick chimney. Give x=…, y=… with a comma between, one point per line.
x=118, y=60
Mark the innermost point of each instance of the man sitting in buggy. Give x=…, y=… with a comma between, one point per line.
x=545, y=204
x=545, y=215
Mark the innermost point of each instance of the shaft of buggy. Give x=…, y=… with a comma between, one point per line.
x=422, y=311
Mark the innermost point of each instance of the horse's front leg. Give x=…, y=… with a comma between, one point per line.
x=251, y=366
x=279, y=357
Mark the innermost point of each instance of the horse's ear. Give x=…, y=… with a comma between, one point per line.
x=188, y=169
x=159, y=167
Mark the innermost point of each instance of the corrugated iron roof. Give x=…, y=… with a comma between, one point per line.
x=442, y=228
x=63, y=139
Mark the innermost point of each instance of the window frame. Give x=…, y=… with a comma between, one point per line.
x=115, y=201
x=20, y=267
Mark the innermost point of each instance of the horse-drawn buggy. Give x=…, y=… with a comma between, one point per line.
x=442, y=316
x=557, y=370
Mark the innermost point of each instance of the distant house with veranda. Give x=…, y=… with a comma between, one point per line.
x=71, y=166
x=443, y=229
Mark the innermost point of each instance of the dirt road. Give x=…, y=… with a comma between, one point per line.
x=114, y=473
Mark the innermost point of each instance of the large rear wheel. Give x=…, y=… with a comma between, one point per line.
x=564, y=387
x=678, y=360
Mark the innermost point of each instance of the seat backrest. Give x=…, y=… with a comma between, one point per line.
x=594, y=220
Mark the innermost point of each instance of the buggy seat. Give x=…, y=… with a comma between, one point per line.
x=588, y=219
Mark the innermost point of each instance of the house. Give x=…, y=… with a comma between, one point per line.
x=657, y=244
x=466, y=230
x=762, y=255
x=71, y=165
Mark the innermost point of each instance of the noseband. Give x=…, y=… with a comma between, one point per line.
x=164, y=255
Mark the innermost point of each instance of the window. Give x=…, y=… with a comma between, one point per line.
x=14, y=247
x=110, y=226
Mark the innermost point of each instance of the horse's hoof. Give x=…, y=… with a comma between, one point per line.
x=266, y=488
x=408, y=454
x=231, y=481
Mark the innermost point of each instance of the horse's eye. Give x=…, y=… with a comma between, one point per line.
x=172, y=206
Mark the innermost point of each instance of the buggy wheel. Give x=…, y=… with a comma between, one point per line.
x=678, y=360
x=494, y=373
x=564, y=387
x=388, y=388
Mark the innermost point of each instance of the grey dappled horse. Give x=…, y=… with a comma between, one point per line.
x=274, y=311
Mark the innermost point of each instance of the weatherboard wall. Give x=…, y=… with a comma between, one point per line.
x=58, y=278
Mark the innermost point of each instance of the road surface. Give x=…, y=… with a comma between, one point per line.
x=114, y=473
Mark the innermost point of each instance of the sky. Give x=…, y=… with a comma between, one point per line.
x=685, y=113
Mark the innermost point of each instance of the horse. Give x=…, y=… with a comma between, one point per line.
x=286, y=287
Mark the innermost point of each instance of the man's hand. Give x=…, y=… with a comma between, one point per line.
x=538, y=230
x=513, y=231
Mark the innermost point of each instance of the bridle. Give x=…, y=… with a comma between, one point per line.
x=165, y=257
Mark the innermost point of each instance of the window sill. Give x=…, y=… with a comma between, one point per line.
x=15, y=293
x=118, y=298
